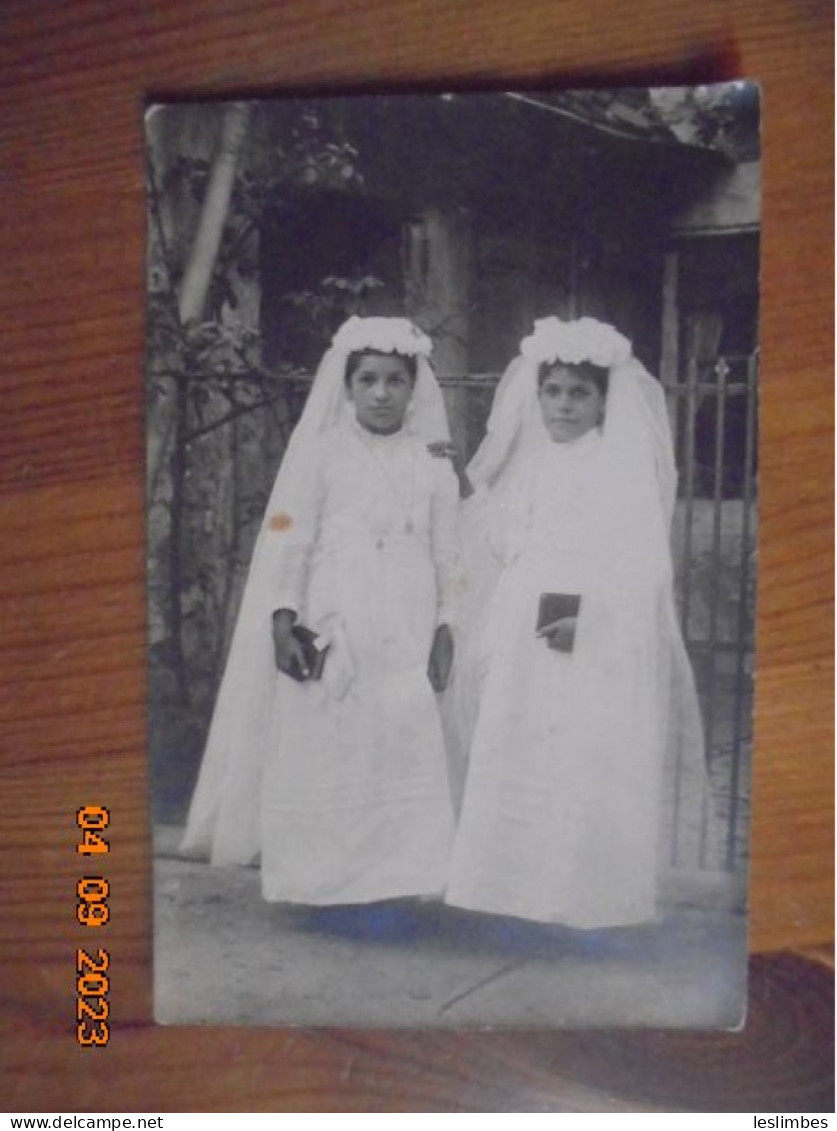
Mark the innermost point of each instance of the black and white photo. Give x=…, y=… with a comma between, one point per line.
x=451, y=494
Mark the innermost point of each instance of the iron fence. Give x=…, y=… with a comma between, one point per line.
x=714, y=414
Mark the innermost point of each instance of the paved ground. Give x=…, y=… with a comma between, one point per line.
x=224, y=956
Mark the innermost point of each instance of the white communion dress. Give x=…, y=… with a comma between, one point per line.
x=355, y=798
x=561, y=813
x=340, y=786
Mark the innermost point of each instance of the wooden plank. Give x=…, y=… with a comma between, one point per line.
x=72, y=81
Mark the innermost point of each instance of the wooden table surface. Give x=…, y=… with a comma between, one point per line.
x=72, y=77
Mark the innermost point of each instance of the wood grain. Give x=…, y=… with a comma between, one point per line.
x=72, y=81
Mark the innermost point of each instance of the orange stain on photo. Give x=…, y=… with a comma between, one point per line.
x=280, y=522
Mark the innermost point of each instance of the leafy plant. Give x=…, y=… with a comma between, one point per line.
x=218, y=420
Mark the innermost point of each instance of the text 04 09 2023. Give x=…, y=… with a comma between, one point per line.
x=92, y=913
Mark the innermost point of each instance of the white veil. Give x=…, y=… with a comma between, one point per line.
x=223, y=817
x=636, y=436
x=636, y=415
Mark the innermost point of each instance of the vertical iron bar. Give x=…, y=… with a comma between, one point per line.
x=744, y=645
x=672, y=394
x=691, y=413
x=721, y=370
x=688, y=515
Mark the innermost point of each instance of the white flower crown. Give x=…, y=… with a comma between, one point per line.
x=389, y=335
x=585, y=339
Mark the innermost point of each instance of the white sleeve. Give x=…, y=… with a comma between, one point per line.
x=290, y=533
x=444, y=539
x=506, y=509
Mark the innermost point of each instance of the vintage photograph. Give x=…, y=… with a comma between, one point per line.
x=451, y=407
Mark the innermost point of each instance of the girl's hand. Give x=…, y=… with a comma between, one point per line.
x=441, y=658
x=443, y=449
x=560, y=634
x=287, y=651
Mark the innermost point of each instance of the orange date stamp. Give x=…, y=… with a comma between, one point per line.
x=92, y=913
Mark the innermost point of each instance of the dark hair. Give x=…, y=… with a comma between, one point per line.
x=354, y=359
x=586, y=369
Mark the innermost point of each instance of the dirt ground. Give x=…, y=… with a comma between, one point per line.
x=224, y=956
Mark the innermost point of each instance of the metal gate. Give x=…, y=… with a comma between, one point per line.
x=713, y=411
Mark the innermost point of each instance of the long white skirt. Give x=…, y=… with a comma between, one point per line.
x=561, y=813
x=355, y=800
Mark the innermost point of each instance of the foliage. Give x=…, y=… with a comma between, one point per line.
x=722, y=116
x=276, y=165
x=334, y=301
x=218, y=420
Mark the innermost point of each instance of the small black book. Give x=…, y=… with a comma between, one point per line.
x=553, y=607
x=314, y=656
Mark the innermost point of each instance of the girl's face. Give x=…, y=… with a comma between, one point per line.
x=380, y=388
x=571, y=405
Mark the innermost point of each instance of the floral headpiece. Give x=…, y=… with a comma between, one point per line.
x=388, y=335
x=585, y=339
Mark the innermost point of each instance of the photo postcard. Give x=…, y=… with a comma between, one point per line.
x=451, y=406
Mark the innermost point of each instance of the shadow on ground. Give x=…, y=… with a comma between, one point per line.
x=224, y=956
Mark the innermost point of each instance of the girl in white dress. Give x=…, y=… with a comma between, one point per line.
x=340, y=783
x=578, y=675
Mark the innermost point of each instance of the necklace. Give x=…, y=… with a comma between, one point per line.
x=405, y=501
